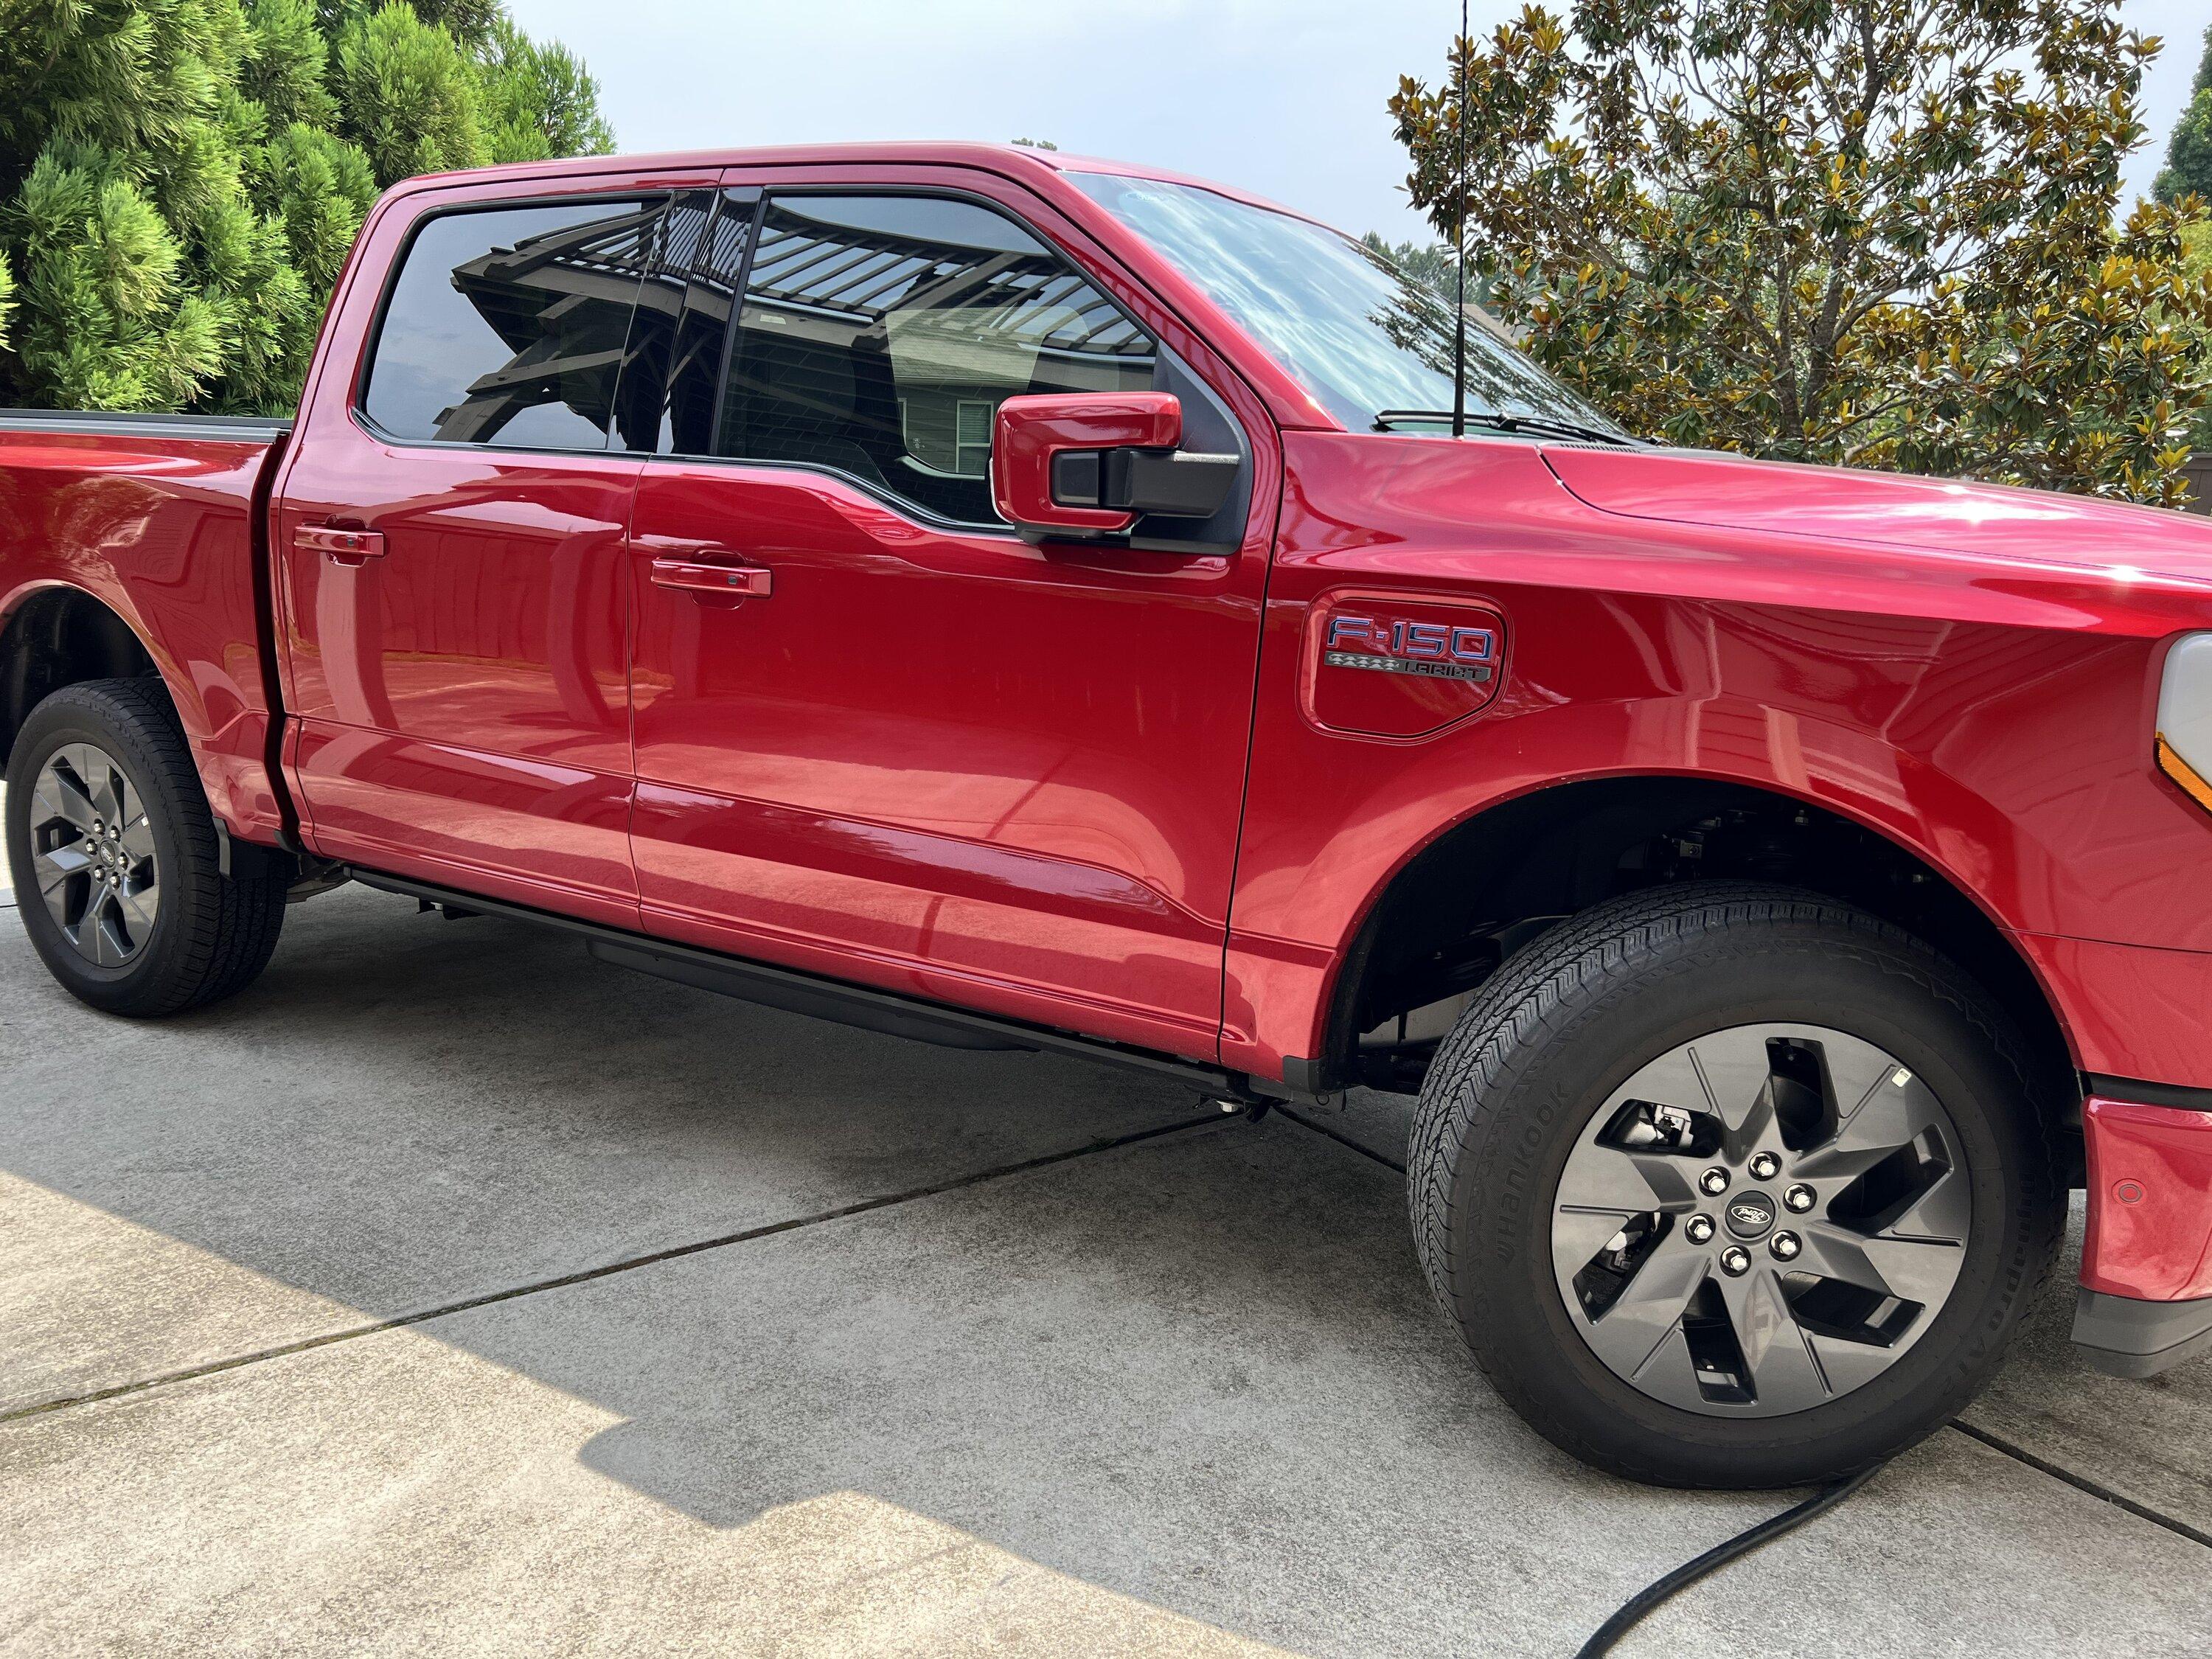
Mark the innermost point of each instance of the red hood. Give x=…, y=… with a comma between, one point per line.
x=1886, y=509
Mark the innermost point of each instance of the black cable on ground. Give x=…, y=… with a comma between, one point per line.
x=1634, y=1610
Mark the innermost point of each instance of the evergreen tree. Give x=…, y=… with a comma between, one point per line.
x=180, y=179
x=2189, y=153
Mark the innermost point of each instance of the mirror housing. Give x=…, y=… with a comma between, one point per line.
x=1092, y=463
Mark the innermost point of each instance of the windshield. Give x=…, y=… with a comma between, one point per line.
x=1362, y=336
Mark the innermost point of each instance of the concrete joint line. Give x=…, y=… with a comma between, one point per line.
x=1369, y=1152
x=607, y=1270
x=2082, y=1483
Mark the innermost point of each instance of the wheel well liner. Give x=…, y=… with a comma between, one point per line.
x=1481, y=888
x=59, y=637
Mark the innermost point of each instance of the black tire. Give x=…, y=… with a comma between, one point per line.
x=212, y=934
x=1566, y=1023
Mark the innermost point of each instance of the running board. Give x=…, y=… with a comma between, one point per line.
x=837, y=1001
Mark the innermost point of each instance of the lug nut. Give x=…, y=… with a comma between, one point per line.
x=1765, y=1166
x=1735, y=1261
x=1698, y=1229
x=1785, y=1246
x=1714, y=1182
x=1799, y=1198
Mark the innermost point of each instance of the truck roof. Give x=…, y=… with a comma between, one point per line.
x=1014, y=160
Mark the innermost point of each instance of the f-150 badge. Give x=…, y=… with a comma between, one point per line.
x=1415, y=666
x=1434, y=650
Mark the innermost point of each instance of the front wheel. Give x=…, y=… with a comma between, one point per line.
x=1733, y=1186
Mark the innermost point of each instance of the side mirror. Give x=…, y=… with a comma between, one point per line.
x=1091, y=463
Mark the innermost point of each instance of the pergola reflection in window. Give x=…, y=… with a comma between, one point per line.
x=562, y=303
x=878, y=334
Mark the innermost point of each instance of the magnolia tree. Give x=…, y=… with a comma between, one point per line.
x=180, y=179
x=1875, y=231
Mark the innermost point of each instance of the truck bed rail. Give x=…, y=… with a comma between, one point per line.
x=102, y=423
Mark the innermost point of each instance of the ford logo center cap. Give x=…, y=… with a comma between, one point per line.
x=1750, y=1214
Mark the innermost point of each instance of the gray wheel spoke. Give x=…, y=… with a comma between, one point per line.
x=1893, y=1115
x=1578, y=1234
x=1837, y=1164
x=1670, y=1081
x=106, y=790
x=55, y=868
x=1626, y=1182
x=1848, y=1364
x=62, y=798
x=89, y=822
x=1785, y=1374
x=138, y=839
x=1629, y=1336
x=1943, y=1213
x=1856, y=1069
x=139, y=909
x=1733, y=1067
x=1912, y=1269
x=91, y=935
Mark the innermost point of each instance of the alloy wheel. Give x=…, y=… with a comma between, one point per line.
x=1761, y=1220
x=91, y=848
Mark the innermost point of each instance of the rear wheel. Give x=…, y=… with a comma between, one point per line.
x=1730, y=1185
x=115, y=859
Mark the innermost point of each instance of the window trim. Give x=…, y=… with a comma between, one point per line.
x=728, y=200
x=737, y=305
x=358, y=393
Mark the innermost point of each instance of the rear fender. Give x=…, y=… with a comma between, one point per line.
x=159, y=532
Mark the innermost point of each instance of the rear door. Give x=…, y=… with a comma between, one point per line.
x=878, y=734
x=450, y=540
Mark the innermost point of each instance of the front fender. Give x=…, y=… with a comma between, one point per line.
x=1995, y=724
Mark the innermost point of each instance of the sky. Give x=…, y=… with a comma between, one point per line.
x=1281, y=97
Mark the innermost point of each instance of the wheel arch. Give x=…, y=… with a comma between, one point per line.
x=1503, y=873
x=56, y=635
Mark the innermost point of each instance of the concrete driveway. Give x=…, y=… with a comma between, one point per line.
x=451, y=1292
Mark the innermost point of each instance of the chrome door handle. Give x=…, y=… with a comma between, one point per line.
x=699, y=575
x=339, y=546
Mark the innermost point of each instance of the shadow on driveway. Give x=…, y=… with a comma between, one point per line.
x=1195, y=1371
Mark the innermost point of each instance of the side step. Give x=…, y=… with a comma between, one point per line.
x=839, y=1000
x=841, y=1004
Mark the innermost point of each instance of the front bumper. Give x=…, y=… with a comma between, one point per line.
x=2146, y=1300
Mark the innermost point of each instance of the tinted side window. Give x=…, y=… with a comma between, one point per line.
x=879, y=334
x=506, y=327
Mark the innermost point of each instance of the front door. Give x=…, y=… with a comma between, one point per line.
x=451, y=544
x=878, y=735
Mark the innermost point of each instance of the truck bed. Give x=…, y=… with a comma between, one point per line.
x=154, y=517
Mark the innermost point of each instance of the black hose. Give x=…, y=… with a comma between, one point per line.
x=1634, y=1610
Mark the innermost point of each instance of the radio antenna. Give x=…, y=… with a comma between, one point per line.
x=1459, y=243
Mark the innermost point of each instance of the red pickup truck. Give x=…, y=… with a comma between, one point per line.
x=1025, y=602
